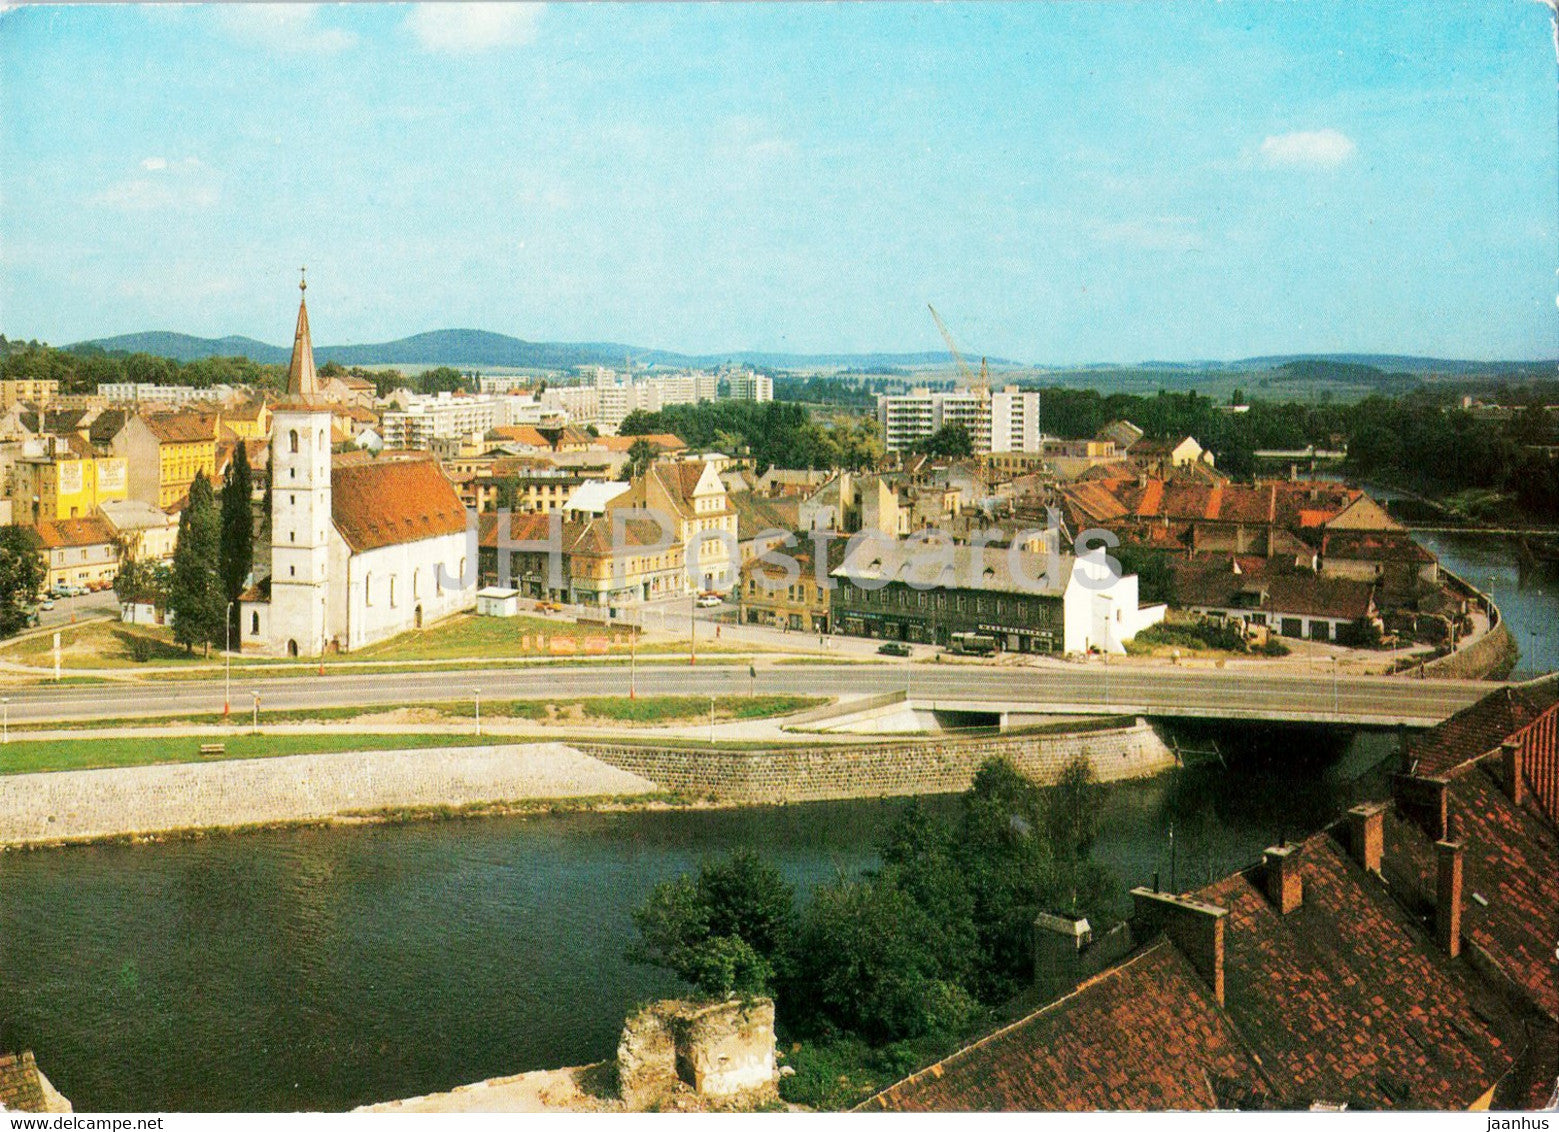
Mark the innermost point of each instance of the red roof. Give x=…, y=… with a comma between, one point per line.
x=384, y=504
x=1144, y=1035
x=91, y=531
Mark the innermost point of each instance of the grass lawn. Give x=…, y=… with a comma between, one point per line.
x=659, y=709
x=26, y=756
x=102, y=644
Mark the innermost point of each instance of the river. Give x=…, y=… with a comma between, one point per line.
x=325, y=968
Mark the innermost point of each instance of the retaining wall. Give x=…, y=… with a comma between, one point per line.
x=1116, y=751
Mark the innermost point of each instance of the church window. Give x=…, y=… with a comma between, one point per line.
x=254, y=624
x=292, y=536
x=292, y=571
x=462, y=570
x=293, y=439
x=392, y=590
x=416, y=584
x=368, y=588
x=292, y=500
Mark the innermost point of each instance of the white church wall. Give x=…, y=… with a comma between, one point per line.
x=387, y=586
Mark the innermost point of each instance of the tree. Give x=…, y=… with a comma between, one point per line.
x=21, y=577
x=195, y=589
x=142, y=583
x=724, y=933
x=237, y=557
x=641, y=454
x=949, y=440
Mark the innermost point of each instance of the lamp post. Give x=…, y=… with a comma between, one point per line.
x=1335, y=709
x=711, y=719
x=692, y=627
x=256, y=713
x=6, y=702
x=227, y=651
x=633, y=661
x=477, y=693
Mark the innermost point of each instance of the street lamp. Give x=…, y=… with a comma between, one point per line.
x=1335, y=709
x=6, y=702
x=692, y=627
x=256, y=713
x=711, y=719
x=227, y=650
x=477, y=692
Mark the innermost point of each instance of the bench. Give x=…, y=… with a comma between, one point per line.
x=213, y=748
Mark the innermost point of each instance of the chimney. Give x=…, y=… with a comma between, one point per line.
x=1194, y=927
x=1285, y=888
x=1367, y=836
x=1448, y=897
x=1512, y=770
x=1059, y=944
x=1423, y=800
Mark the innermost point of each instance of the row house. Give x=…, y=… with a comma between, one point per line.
x=78, y=552
x=690, y=496
x=548, y=558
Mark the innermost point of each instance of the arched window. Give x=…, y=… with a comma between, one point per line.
x=321, y=440
x=254, y=623
x=368, y=588
x=462, y=572
x=293, y=437
x=416, y=584
x=392, y=590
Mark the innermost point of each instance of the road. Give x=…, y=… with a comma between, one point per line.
x=1367, y=700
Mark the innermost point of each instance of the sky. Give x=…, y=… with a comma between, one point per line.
x=1065, y=182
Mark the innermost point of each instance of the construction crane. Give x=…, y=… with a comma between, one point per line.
x=981, y=383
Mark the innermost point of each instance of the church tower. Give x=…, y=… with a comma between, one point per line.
x=301, y=521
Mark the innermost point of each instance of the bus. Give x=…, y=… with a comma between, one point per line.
x=972, y=644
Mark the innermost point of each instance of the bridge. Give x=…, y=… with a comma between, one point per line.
x=1236, y=692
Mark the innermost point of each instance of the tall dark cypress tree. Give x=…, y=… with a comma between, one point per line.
x=195, y=590
x=237, y=530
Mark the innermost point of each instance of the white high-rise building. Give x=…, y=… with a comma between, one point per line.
x=749, y=386
x=1007, y=421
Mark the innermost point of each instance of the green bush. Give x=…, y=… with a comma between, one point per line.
x=1274, y=646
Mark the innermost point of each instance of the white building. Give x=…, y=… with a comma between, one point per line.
x=749, y=386
x=359, y=552
x=131, y=393
x=1005, y=421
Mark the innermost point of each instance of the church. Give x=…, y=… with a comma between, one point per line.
x=361, y=550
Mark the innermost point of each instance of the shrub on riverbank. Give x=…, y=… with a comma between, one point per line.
x=879, y=973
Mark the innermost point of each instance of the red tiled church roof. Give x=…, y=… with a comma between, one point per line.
x=384, y=504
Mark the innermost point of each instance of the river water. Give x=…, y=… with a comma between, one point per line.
x=324, y=968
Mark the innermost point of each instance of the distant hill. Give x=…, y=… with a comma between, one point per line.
x=485, y=348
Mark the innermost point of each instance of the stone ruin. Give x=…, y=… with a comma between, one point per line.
x=718, y=1049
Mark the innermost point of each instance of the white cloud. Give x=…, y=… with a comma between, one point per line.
x=1152, y=233
x=1309, y=149
x=290, y=28
x=185, y=183
x=459, y=27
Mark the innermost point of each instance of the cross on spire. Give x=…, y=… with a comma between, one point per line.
x=303, y=282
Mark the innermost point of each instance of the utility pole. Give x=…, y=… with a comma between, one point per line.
x=711, y=719
x=256, y=713
x=477, y=693
x=633, y=661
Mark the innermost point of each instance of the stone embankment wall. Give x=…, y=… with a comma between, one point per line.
x=1490, y=657
x=1115, y=750
x=128, y=801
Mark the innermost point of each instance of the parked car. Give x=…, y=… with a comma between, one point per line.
x=47, y=603
x=709, y=601
x=894, y=648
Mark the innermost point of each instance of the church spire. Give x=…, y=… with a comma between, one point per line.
x=302, y=380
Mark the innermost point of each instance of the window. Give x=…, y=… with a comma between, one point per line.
x=254, y=624
x=368, y=588
x=292, y=438
x=392, y=591
x=416, y=584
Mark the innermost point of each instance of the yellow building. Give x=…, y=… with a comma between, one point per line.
x=247, y=422
x=68, y=486
x=164, y=452
x=37, y=391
